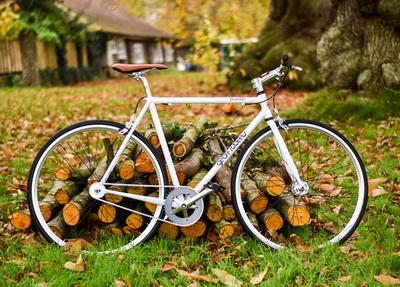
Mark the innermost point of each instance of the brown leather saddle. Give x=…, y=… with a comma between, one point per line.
x=130, y=68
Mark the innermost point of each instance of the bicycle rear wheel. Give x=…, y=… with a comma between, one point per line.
x=332, y=168
x=59, y=180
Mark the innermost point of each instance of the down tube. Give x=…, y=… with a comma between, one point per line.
x=230, y=151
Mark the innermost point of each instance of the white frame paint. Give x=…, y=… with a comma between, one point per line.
x=201, y=189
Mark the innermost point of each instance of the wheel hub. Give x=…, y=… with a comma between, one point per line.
x=179, y=213
x=97, y=190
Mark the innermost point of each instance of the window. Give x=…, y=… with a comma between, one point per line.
x=169, y=53
x=138, y=53
x=116, y=51
x=157, y=53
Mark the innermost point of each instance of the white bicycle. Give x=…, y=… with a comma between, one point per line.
x=324, y=190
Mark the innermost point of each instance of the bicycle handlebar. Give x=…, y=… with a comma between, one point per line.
x=279, y=72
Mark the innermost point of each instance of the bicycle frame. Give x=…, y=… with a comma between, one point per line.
x=201, y=189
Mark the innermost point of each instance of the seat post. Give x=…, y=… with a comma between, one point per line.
x=140, y=77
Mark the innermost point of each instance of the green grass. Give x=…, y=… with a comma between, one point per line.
x=349, y=106
x=29, y=116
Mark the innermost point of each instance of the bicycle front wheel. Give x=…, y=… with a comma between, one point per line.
x=262, y=189
x=76, y=157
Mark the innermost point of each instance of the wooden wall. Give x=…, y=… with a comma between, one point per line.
x=10, y=57
x=46, y=55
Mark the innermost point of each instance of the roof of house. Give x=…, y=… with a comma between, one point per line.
x=110, y=17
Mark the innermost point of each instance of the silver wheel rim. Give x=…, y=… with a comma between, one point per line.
x=354, y=160
x=42, y=159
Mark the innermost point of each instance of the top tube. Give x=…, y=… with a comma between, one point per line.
x=208, y=100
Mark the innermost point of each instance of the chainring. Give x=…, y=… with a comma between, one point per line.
x=187, y=216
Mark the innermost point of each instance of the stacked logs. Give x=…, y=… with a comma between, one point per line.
x=264, y=191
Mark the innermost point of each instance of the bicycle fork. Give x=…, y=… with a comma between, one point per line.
x=299, y=187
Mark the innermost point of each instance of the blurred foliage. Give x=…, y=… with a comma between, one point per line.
x=203, y=23
x=50, y=21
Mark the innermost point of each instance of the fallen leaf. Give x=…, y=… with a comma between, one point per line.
x=387, y=280
x=258, y=278
x=167, y=266
x=75, y=246
x=373, y=183
x=345, y=278
x=227, y=278
x=119, y=283
x=7, y=152
x=78, y=266
x=195, y=275
x=336, y=209
x=377, y=192
x=324, y=187
x=194, y=284
x=327, y=178
x=298, y=243
x=335, y=192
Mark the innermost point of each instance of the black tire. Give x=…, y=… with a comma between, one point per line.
x=72, y=127
x=263, y=133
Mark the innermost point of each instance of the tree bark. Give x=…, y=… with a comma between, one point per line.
x=30, y=68
x=361, y=49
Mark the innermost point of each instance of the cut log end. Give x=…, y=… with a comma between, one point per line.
x=136, y=190
x=71, y=214
x=127, y=170
x=107, y=213
x=214, y=213
x=56, y=232
x=134, y=221
x=130, y=231
x=179, y=149
x=154, y=140
x=229, y=213
x=21, y=219
x=275, y=185
x=168, y=230
x=298, y=215
x=113, y=198
x=47, y=211
x=259, y=204
x=274, y=222
x=143, y=163
x=63, y=173
x=195, y=230
x=62, y=196
x=151, y=206
x=227, y=230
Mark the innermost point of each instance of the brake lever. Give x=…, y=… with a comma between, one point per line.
x=297, y=68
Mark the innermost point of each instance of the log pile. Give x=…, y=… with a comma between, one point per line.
x=264, y=190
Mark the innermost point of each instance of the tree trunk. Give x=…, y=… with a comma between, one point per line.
x=30, y=68
x=361, y=49
x=293, y=27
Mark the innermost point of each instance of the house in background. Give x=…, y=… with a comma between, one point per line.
x=116, y=36
x=128, y=38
